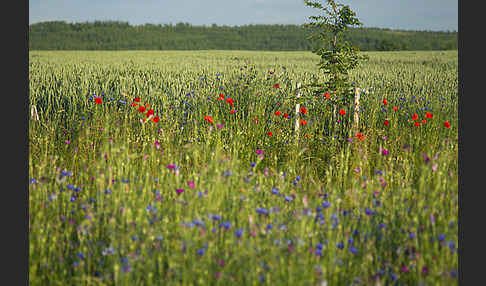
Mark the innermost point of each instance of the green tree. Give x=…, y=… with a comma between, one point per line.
x=338, y=57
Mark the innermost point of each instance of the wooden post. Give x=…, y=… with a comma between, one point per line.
x=33, y=113
x=357, y=92
x=297, y=109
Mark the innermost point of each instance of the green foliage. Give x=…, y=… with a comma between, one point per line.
x=338, y=57
x=113, y=35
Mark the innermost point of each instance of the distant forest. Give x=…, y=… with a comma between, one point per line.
x=116, y=35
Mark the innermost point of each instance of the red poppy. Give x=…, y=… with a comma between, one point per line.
x=233, y=111
x=137, y=99
x=150, y=112
x=269, y=133
x=423, y=121
x=156, y=119
x=428, y=115
x=208, y=119
x=303, y=110
x=385, y=102
x=360, y=136
x=230, y=101
x=417, y=124
x=134, y=104
x=256, y=120
x=221, y=97
x=303, y=122
x=98, y=100
x=387, y=122
x=276, y=85
x=286, y=115
x=447, y=124
x=141, y=109
x=342, y=112
x=415, y=116
x=395, y=108
x=277, y=113
x=306, y=134
x=327, y=95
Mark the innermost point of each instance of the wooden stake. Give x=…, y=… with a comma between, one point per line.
x=33, y=113
x=357, y=92
x=297, y=107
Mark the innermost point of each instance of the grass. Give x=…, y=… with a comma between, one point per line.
x=114, y=200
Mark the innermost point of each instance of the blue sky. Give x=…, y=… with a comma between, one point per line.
x=435, y=15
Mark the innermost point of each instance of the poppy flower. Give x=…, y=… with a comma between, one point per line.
x=342, y=112
x=98, y=100
x=417, y=124
x=395, y=108
x=156, y=119
x=447, y=124
x=256, y=120
x=303, y=110
x=428, y=115
x=232, y=111
x=141, y=109
x=276, y=85
x=134, y=104
x=385, y=102
x=230, y=101
x=327, y=95
x=137, y=99
x=386, y=122
x=286, y=115
x=415, y=116
x=150, y=112
x=424, y=121
x=277, y=113
x=360, y=136
x=208, y=119
x=269, y=133
x=221, y=97
x=303, y=122
x=306, y=134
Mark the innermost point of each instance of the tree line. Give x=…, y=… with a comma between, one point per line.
x=117, y=35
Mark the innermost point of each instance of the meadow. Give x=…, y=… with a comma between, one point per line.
x=184, y=168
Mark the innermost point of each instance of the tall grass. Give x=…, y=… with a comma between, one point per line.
x=114, y=201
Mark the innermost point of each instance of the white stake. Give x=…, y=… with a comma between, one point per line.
x=297, y=107
x=357, y=92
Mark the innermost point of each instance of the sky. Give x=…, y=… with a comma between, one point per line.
x=431, y=15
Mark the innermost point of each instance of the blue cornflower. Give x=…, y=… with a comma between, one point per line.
x=353, y=250
x=81, y=255
x=441, y=237
x=225, y=224
x=340, y=245
x=125, y=180
x=318, y=209
x=262, y=211
x=107, y=191
x=275, y=191
x=66, y=173
x=350, y=241
x=297, y=178
x=239, y=232
x=411, y=235
x=216, y=217
x=201, y=251
x=122, y=101
x=70, y=187
x=452, y=245
x=326, y=204
x=269, y=226
x=453, y=273
x=288, y=199
x=252, y=164
x=369, y=211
